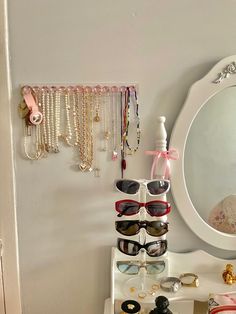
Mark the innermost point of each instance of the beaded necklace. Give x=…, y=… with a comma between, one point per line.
x=123, y=106
x=132, y=98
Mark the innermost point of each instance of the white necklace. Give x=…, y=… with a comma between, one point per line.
x=96, y=127
x=106, y=133
x=68, y=136
x=115, y=110
x=57, y=121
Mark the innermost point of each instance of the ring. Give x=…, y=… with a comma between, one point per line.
x=170, y=284
x=132, y=289
x=142, y=295
x=36, y=117
x=128, y=305
x=155, y=287
x=152, y=292
x=195, y=280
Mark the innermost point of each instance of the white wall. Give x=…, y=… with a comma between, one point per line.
x=66, y=218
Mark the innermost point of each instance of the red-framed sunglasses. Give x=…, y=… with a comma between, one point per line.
x=154, y=208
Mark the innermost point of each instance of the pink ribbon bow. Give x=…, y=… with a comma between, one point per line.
x=166, y=155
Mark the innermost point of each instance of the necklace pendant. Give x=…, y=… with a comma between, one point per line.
x=107, y=135
x=83, y=166
x=114, y=155
x=56, y=150
x=97, y=118
x=97, y=172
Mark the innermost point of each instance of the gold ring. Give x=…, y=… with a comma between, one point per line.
x=142, y=295
x=152, y=292
x=155, y=286
x=132, y=289
x=194, y=283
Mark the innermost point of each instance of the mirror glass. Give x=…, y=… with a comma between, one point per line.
x=210, y=161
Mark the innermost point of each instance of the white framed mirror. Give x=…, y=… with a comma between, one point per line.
x=203, y=179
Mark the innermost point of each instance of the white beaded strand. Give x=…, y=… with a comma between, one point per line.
x=48, y=122
x=106, y=134
x=52, y=118
x=43, y=101
x=68, y=136
x=57, y=119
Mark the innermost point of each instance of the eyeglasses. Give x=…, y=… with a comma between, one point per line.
x=133, y=267
x=154, y=208
x=131, y=227
x=153, y=187
x=129, y=247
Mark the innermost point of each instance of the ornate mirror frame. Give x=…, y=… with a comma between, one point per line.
x=221, y=76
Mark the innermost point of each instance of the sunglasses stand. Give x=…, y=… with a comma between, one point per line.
x=141, y=287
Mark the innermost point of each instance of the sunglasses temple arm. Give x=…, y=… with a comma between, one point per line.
x=123, y=212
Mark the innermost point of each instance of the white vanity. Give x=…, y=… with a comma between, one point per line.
x=206, y=169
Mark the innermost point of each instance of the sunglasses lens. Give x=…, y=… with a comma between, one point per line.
x=127, y=208
x=127, y=227
x=132, y=268
x=158, y=187
x=127, y=186
x=156, y=248
x=155, y=268
x=157, y=208
x=128, y=268
x=128, y=247
x=156, y=228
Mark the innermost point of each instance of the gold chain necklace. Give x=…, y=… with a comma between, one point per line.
x=85, y=132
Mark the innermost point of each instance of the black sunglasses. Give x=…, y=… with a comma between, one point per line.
x=154, y=248
x=154, y=228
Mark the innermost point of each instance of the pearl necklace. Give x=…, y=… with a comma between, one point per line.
x=48, y=119
x=52, y=117
x=96, y=128
x=106, y=133
x=57, y=121
x=68, y=136
x=44, y=127
x=115, y=110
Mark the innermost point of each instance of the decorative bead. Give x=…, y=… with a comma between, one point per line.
x=97, y=118
x=123, y=164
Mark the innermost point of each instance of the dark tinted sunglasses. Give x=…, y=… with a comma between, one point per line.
x=154, y=187
x=131, y=207
x=133, y=267
x=154, y=248
x=132, y=227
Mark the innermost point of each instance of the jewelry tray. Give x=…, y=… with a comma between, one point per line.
x=208, y=268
